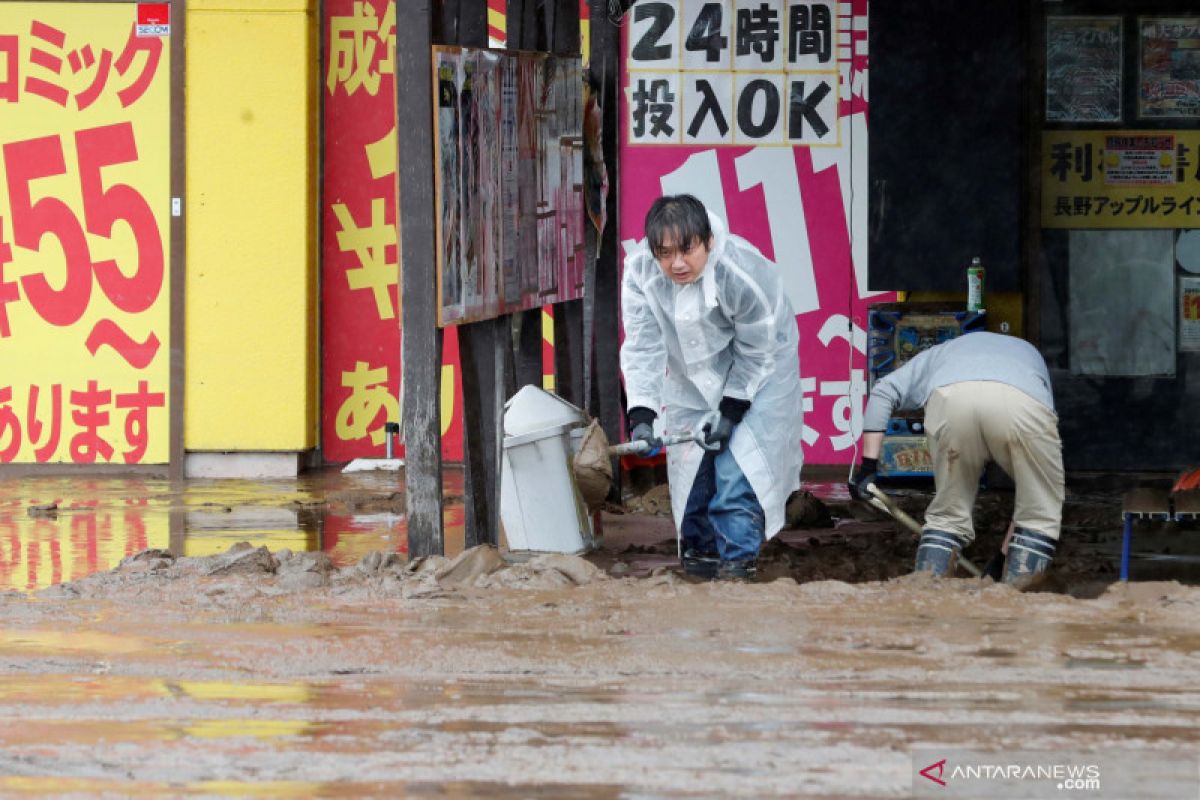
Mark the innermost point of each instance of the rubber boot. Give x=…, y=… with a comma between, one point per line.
x=699, y=566
x=937, y=553
x=743, y=571
x=1029, y=555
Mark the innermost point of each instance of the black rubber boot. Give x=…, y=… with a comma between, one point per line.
x=699, y=566
x=1029, y=555
x=937, y=553
x=743, y=571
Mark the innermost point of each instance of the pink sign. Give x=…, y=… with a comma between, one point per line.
x=763, y=117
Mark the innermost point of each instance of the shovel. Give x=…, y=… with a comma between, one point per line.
x=592, y=463
x=884, y=503
x=640, y=447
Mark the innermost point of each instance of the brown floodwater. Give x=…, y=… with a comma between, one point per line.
x=202, y=671
x=94, y=523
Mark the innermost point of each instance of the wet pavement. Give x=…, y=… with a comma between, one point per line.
x=218, y=674
x=61, y=529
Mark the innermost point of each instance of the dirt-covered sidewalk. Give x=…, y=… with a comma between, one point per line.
x=272, y=672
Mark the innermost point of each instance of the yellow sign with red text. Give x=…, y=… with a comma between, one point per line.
x=84, y=235
x=1121, y=179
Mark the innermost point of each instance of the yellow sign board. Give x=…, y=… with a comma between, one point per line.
x=1121, y=179
x=84, y=235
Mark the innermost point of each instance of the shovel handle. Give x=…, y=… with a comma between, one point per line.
x=639, y=447
x=884, y=503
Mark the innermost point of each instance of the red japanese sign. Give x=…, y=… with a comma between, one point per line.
x=360, y=260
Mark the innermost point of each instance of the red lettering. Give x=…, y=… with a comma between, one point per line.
x=90, y=416
x=9, y=50
x=136, y=428
x=107, y=146
x=10, y=427
x=45, y=452
x=152, y=47
x=8, y=289
x=27, y=161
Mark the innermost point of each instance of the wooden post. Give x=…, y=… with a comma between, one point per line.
x=521, y=25
x=562, y=26
x=605, y=56
x=529, y=349
x=568, y=351
x=523, y=34
x=421, y=351
x=482, y=347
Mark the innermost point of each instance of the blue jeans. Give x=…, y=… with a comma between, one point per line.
x=723, y=516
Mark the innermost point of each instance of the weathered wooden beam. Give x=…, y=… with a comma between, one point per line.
x=521, y=21
x=568, y=351
x=562, y=29
x=482, y=353
x=421, y=350
x=529, y=349
x=564, y=24
x=472, y=23
x=605, y=56
x=483, y=377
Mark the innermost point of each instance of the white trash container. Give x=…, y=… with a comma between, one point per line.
x=540, y=507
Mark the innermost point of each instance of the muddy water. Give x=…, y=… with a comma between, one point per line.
x=283, y=673
x=647, y=687
x=60, y=529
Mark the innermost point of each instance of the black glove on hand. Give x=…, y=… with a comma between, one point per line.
x=641, y=429
x=718, y=425
x=864, y=475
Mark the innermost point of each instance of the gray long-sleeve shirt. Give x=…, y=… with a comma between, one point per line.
x=972, y=357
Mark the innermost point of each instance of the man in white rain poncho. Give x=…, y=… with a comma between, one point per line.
x=711, y=342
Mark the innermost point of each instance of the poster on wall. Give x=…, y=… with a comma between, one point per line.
x=800, y=197
x=360, y=270
x=1084, y=57
x=733, y=73
x=1189, y=315
x=1143, y=159
x=85, y=292
x=508, y=142
x=1120, y=179
x=1169, y=82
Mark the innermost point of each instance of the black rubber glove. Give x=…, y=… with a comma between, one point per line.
x=864, y=475
x=641, y=429
x=718, y=426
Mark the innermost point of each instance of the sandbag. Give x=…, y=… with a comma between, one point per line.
x=593, y=467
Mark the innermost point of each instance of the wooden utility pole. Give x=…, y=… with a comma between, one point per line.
x=606, y=289
x=485, y=351
x=421, y=343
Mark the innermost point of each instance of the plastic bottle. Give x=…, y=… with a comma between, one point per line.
x=975, y=285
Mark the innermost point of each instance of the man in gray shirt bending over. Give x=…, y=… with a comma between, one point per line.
x=986, y=397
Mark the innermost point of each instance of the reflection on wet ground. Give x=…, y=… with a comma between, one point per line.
x=605, y=691
x=232, y=685
x=54, y=530
x=60, y=529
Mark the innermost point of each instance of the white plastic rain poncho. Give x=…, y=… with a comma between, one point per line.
x=729, y=333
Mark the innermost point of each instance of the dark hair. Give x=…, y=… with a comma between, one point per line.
x=681, y=215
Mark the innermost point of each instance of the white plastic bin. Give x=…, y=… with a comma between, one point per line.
x=540, y=507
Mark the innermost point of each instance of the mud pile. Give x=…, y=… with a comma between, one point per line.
x=245, y=571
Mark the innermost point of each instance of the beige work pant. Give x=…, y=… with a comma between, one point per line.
x=972, y=422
